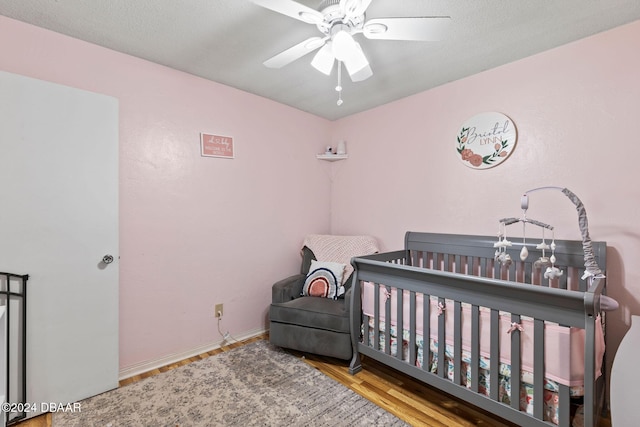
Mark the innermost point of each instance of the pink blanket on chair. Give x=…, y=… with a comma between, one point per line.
x=340, y=249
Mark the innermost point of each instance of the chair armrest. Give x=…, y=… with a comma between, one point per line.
x=287, y=289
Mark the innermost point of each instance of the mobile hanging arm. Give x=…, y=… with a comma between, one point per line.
x=591, y=266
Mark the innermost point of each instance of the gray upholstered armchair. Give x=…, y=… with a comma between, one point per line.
x=316, y=324
x=307, y=323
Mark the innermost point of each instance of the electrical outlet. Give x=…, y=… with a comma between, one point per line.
x=219, y=311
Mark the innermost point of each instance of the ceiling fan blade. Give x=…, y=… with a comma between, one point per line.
x=324, y=59
x=357, y=65
x=295, y=52
x=424, y=28
x=354, y=7
x=293, y=9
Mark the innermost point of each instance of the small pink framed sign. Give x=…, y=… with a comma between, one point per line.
x=212, y=145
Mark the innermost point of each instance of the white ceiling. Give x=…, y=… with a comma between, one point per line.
x=227, y=40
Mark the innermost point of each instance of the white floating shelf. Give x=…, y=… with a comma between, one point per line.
x=332, y=157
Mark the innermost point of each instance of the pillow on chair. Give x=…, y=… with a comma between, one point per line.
x=324, y=280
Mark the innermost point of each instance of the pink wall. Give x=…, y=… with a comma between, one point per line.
x=576, y=109
x=194, y=222
x=194, y=231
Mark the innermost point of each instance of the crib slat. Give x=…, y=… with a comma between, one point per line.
x=365, y=329
x=399, y=324
x=484, y=271
x=562, y=280
x=441, y=339
x=497, y=270
x=515, y=364
x=475, y=348
x=495, y=355
x=459, y=267
x=387, y=323
x=457, y=342
x=539, y=276
x=376, y=316
x=412, y=328
x=538, y=368
x=528, y=272
x=426, y=332
x=582, y=284
x=415, y=258
x=512, y=272
x=564, y=411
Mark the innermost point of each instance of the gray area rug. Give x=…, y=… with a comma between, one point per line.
x=253, y=385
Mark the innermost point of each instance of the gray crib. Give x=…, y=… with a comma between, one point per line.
x=473, y=292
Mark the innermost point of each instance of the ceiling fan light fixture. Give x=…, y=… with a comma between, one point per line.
x=358, y=65
x=343, y=45
x=323, y=60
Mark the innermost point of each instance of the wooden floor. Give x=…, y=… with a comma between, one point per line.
x=408, y=399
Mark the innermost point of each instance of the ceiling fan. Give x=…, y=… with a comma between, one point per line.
x=339, y=21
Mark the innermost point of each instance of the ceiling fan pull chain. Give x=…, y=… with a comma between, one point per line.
x=339, y=87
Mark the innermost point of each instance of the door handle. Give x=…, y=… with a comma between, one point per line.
x=107, y=259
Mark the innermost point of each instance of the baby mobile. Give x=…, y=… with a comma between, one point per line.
x=502, y=244
x=592, y=270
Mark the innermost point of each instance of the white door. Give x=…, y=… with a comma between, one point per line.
x=58, y=218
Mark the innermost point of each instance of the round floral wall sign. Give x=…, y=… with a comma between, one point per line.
x=486, y=140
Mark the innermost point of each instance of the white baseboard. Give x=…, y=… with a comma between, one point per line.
x=142, y=367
